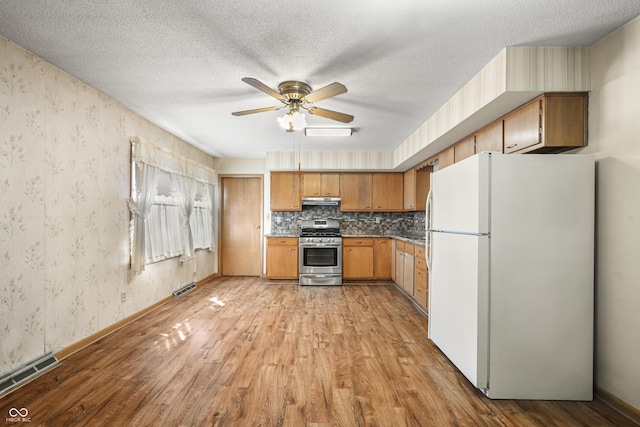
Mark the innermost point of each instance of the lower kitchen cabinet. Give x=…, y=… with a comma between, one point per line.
x=382, y=258
x=405, y=266
x=282, y=257
x=357, y=258
x=421, y=278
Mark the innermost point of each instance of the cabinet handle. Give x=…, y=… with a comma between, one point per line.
x=512, y=145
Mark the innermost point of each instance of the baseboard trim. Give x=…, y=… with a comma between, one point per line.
x=79, y=345
x=618, y=404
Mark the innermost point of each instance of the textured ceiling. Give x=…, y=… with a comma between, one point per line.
x=179, y=63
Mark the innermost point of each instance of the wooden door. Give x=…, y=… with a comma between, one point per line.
x=241, y=226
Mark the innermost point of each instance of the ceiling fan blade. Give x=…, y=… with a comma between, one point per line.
x=328, y=91
x=257, y=110
x=263, y=87
x=333, y=115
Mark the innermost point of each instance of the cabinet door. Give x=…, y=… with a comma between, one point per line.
x=393, y=260
x=399, y=273
x=357, y=262
x=420, y=287
x=311, y=184
x=489, y=138
x=465, y=148
x=410, y=190
x=285, y=191
x=355, y=191
x=446, y=158
x=408, y=272
x=382, y=254
x=563, y=120
x=423, y=182
x=522, y=128
x=330, y=185
x=388, y=191
x=282, y=258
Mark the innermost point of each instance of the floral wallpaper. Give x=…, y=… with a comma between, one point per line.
x=64, y=222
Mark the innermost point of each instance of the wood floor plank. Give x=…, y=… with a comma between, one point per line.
x=248, y=352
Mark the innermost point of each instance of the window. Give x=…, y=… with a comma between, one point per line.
x=171, y=205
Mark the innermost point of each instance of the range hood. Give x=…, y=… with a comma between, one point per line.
x=320, y=201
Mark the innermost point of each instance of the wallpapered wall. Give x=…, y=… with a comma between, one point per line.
x=64, y=222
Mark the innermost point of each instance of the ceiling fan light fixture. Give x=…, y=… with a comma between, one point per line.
x=293, y=121
x=328, y=132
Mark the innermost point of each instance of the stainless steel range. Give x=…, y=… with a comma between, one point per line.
x=320, y=253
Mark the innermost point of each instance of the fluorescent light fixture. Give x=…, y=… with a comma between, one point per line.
x=328, y=131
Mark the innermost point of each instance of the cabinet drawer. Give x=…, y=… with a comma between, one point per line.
x=282, y=241
x=409, y=248
x=421, y=263
x=399, y=245
x=420, y=292
x=420, y=252
x=354, y=241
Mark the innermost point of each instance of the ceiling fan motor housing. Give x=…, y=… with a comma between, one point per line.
x=294, y=90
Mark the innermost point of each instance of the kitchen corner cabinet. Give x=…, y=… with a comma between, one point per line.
x=551, y=123
x=285, y=191
x=357, y=258
x=282, y=257
x=320, y=184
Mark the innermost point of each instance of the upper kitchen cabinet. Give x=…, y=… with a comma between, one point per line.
x=490, y=138
x=416, y=187
x=551, y=123
x=320, y=184
x=366, y=192
x=446, y=157
x=285, y=191
x=465, y=148
x=355, y=192
x=388, y=191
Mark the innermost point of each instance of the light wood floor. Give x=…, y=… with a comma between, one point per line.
x=248, y=352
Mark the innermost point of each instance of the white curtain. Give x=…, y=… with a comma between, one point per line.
x=186, y=199
x=209, y=221
x=162, y=223
x=145, y=179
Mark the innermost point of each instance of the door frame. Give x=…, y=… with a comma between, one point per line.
x=221, y=218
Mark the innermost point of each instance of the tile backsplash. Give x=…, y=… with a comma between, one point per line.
x=408, y=224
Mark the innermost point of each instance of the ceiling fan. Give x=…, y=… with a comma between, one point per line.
x=295, y=95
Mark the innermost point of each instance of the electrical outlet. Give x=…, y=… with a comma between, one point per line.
x=123, y=296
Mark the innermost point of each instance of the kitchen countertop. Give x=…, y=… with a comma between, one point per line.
x=410, y=239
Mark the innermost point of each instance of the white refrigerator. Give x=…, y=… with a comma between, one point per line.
x=510, y=252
